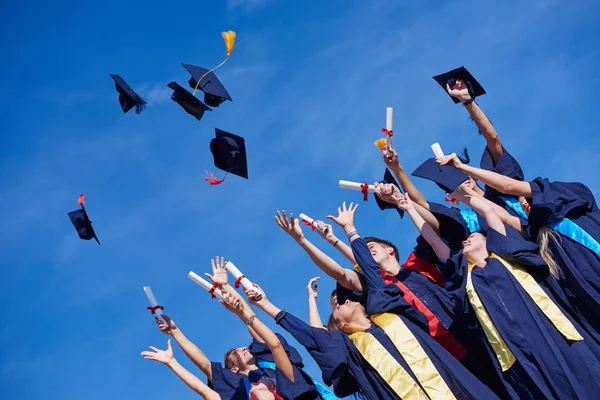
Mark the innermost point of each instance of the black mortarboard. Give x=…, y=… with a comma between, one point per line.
x=383, y=205
x=82, y=223
x=450, y=78
x=447, y=177
x=127, y=97
x=229, y=152
x=214, y=91
x=187, y=101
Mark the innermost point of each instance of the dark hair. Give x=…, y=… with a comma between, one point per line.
x=334, y=293
x=371, y=239
x=332, y=324
x=226, y=358
x=482, y=232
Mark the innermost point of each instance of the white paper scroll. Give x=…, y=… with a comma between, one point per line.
x=244, y=281
x=356, y=186
x=389, y=123
x=309, y=221
x=205, y=284
x=152, y=300
x=437, y=150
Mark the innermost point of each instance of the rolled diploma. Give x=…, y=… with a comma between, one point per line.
x=205, y=284
x=308, y=219
x=389, y=122
x=152, y=300
x=437, y=150
x=245, y=281
x=356, y=186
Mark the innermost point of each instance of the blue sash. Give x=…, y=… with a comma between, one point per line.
x=565, y=227
x=325, y=393
x=471, y=219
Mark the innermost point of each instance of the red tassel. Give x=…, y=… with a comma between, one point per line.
x=81, y=199
x=212, y=180
x=365, y=191
x=387, y=132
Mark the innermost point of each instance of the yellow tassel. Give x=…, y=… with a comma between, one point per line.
x=381, y=143
x=229, y=38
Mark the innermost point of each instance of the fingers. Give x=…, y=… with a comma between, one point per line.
x=169, y=344
x=313, y=280
x=212, y=264
x=209, y=276
x=448, y=89
x=354, y=208
x=154, y=348
x=344, y=206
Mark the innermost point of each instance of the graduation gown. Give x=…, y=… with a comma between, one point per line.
x=571, y=210
x=422, y=368
x=231, y=386
x=542, y=352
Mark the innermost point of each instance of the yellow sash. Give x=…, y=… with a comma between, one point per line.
x=537, y=294
x=412, y=352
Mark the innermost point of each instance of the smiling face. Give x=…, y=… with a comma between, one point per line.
x=476, y=242
x=346, y=313
x=238, y=359
x=380, y=252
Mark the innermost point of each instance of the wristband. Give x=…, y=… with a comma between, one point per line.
x=250, y=320
x=336, y=242
x=466, y=103
x=354, y=232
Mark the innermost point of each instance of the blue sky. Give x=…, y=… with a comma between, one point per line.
x=310, y=82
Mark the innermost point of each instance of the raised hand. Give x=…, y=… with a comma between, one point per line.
x=219, y=271
x=345, y=216
x=233, y=302
x=162, y=356
x=405, y=203
x=460, y=91
x=252, y=296
x=167, y=326
x=291, y=225
x=327, y=233
x=390, y=159
x=388, y=192
x=312, y=288
x=450, y=159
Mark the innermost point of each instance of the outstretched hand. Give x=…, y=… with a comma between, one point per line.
x=460, y=91
x=162, y=356
x=390, y=159
x=345, y=217
x=312, y=288
x=219, y=275
x=167, y=326
x=405, y=203
x=450, y=159
x=252, y=298
x=233, y=302
x=290, y=225
x=388, y=192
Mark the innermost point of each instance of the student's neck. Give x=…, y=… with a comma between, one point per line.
x=390, y=266
x=360, y=325
x=249, y=368
x=478, y=258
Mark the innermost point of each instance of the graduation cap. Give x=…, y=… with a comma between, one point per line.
x=447, y=177
x=82, y=223
x=229, y=153
x=187, y=101
x=127, y=97
x=450, y=78
x=383, y=205
x=214, y=91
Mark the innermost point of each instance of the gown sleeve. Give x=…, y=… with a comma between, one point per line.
x=328, y=349
x=454, y=271
x=369, y=267
x=553, y=201
x=390, y=300
x=514, y=248
x=228, y=385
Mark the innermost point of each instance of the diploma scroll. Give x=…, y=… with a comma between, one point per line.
x=437, y=150
x=311, y=222
x=154, y=307
x=389, y=123
x=356, y=186
x=209, y=287
x=241, y=278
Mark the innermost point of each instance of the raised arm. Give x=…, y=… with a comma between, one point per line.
x=484, y=125
x=344, y=276
x=192, y=351
x=440, y=248
x=392, y=162
x=501, y=183
x=482, y=207
x=333, y=240
x=236, y=304
x=166, y=357
x=314, y=318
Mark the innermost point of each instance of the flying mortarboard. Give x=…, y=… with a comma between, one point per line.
x=383, y=205
x=447, y=177
x=187, y=101
x=229, y=153
x=450, y=78
x=127, y=97
x=82, y=222
x=214, y=91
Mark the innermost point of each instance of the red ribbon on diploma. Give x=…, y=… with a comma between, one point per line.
x=237, y=281
x=153, y=309
x=311, y=224
x=365, y=191
x=212, y=289
x=450, y=200
x=387, y=132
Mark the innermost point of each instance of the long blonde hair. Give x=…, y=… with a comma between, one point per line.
x=546, y=234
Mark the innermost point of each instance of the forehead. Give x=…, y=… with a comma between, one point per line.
x=476, y=234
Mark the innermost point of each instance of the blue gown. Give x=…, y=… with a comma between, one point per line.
x=547, y=365
x=344, y=367
x=556, y=203
x=231, y=386
x=441, y=303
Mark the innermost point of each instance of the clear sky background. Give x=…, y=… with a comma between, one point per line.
x=310, y=81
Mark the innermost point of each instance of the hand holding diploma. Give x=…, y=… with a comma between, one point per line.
x=389, y=129
x=437, y=150
x=154, y=307
x=311, y=222
x=213, y=288
x=241, y=278
x=365, y=188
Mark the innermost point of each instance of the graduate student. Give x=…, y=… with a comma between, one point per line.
x=564, y=220
x=387, y=355
x=541, y=352
x=244, y=365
